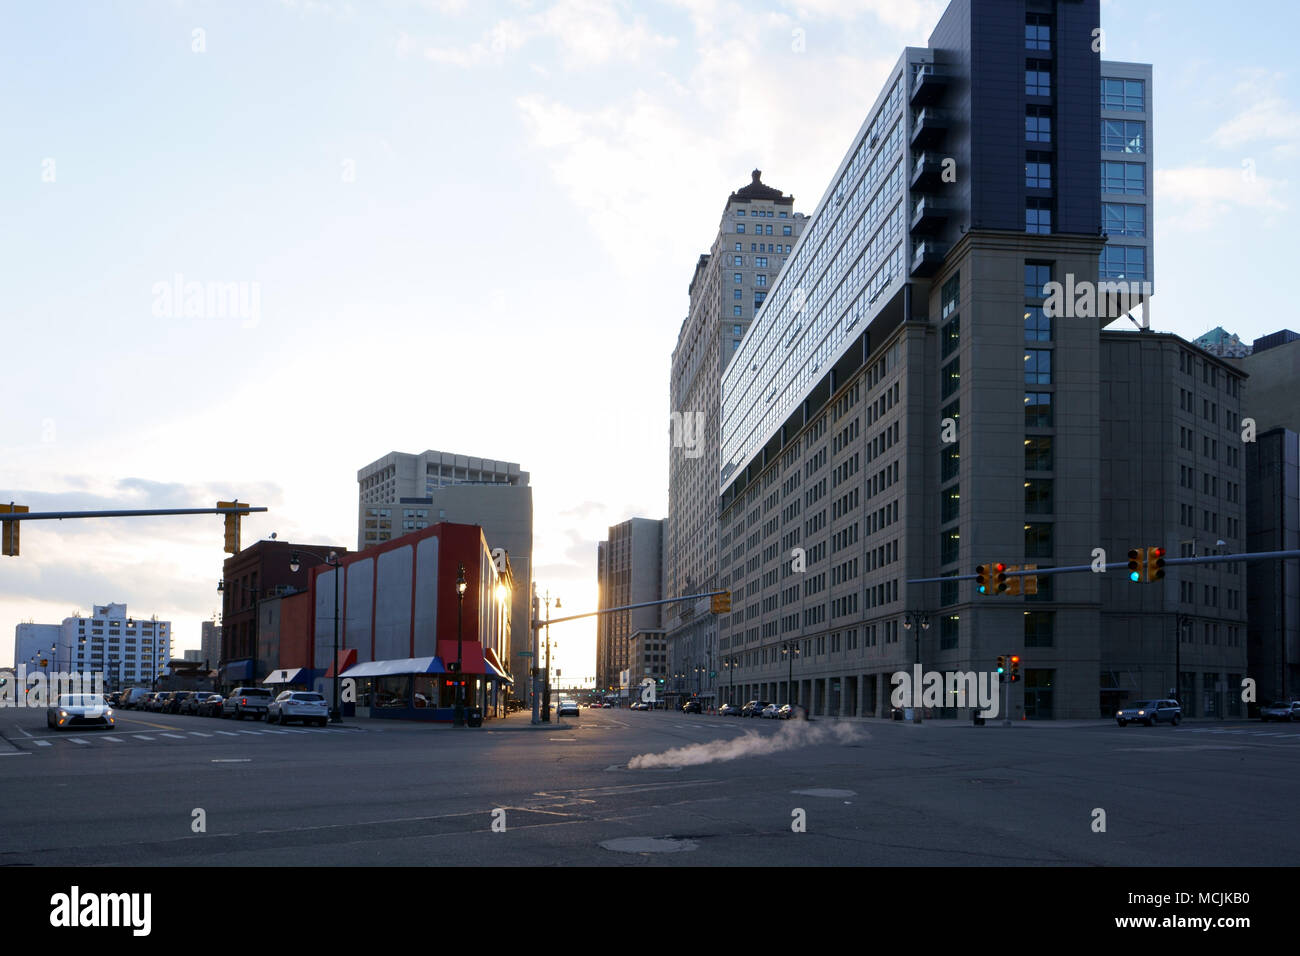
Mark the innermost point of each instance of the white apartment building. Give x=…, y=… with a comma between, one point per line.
x=125, y=650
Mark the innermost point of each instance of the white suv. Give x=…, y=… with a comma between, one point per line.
x=304, y=705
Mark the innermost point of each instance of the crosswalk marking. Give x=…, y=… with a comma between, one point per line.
x=42, y=743
x=78, y=740
x=116, y=740
x=255, y=733
x=174, y=736
x=199, y=733
x=142, y=737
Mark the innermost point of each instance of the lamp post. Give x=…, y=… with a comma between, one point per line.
x=546, y=685
x=1185, y=622
x=731, y=663
x=461, y=586
x=790, y=650
x=911, y=620
x=333, y=561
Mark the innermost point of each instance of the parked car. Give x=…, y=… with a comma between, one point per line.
x=305, y=705
x=133, y=698
x=79, y=710
x=175, y=701
x=693, y=706
x=190, y=705
x=1150, y=712
x=209, y=705
x=753, y=709
x=246, y=702
x=1288, y=710
x=771, y=712
x=796, y=711
x=568, y=708
x=158, y=702
x=729, y=710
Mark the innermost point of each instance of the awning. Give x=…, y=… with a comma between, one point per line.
x=238, y=670
x=289, y=675
x=471, y=655
x=406, y=665
x=495, y=667
x=346, y=658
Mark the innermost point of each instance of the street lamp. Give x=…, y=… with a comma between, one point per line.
x=461, y=586
x=731, y=663
x=333, y=561
x=1185, y=623
x=913, y=618
x=790, y=650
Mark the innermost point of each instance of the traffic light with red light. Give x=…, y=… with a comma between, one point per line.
x=1015, y=668
x=1000, y=572
x=1155, y=564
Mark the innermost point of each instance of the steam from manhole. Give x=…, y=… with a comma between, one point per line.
x=649, y=845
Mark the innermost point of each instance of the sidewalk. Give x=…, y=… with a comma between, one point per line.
x=519, y=720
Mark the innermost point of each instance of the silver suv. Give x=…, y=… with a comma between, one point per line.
x=1150, y=712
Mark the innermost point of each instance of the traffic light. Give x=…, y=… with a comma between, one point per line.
x=982, y=579
x=720, y=603
x=1137, y=564
x=1013, y=582
x=1000, y=571
x=9, y=529
x=1029, y=584
x=1002, y=668
x=1155, y=564
x=232, y=527
x=1015, y=668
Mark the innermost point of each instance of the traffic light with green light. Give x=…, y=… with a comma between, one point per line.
x=1002, y=668
x=982, y=579
x=1137, y=564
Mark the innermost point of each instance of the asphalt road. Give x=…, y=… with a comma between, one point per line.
x=380, y=793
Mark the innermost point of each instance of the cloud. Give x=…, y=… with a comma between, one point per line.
x=914, y=17
x=1205, y=195
x=587, y=33
x=1268, y=119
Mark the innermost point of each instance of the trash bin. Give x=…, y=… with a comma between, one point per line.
x=474, y=717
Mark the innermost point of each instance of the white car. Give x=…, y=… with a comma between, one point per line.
x=304, y=705
x=79, y=710
x=568, y=708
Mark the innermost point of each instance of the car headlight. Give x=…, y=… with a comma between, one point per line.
x=1141, y=712
x=1119, y=713
x=63, y=713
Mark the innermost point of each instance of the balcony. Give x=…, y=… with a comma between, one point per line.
x=929, y=85
x=929, y=127
x=927, y=172
x=927, y=257
x=928, y=214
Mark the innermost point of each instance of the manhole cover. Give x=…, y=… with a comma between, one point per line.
x=825, y=793
x=649, y=845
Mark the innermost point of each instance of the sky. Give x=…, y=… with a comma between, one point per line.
x=465, y=226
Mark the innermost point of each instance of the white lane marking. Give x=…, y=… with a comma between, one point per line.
x=273, y=731
x=255, y=733
x=173, y=736
x=141, y=737
x=116, y=740
x=78, y=740
x=199, y=733
x=42, y=743
x=227, y=733
x=21, y=731
x=231, y=759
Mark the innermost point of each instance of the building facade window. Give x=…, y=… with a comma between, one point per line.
x=1124, y=219
x=1123, y=136
x=1123, y=95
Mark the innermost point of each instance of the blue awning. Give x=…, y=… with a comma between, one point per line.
x=407, y=665
x=238, y=670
